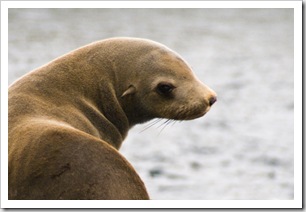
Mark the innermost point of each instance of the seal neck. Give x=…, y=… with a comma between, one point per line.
x=115, y=125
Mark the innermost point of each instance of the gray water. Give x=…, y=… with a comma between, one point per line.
x=241, y=149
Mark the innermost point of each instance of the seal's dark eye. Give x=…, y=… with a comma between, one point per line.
x=165, y=88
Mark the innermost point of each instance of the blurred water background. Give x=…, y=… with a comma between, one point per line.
x=241, y=149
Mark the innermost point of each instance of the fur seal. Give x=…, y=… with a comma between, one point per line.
x=68, y=118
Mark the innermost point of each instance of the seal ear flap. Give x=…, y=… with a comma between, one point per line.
x=131, y=90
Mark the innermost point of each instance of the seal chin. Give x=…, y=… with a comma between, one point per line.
x=197, y=115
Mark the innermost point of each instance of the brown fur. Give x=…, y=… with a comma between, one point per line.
x=67, y=119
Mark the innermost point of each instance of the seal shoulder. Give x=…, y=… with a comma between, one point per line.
x=68, y=164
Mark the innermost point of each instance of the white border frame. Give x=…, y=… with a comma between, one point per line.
x=296, y=203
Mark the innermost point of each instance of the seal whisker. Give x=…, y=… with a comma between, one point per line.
x=173, y=122
x=166, y=123
x=151, y=124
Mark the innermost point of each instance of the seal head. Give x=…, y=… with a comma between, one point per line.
x=164, y=87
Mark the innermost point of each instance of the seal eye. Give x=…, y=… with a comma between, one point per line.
x=165, y=88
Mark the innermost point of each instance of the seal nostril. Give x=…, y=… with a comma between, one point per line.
x=212, y=100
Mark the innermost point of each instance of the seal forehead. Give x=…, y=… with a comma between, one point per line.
x=173, y=64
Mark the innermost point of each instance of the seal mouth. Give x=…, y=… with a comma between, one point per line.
x=191, y=113
x=195, y=116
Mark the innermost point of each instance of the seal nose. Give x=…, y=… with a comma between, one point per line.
x=212, y=100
